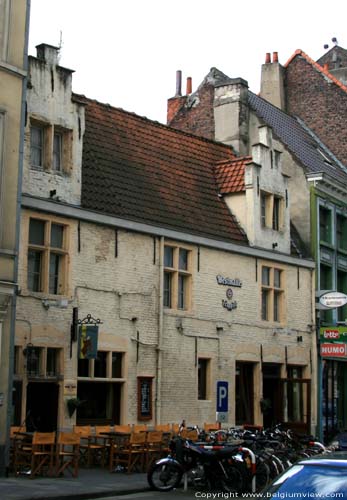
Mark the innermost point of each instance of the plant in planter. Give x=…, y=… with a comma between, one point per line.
x=72, y=404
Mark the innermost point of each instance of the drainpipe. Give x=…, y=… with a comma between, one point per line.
x=160, y=333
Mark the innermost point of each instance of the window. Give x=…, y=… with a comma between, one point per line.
x=36, y=146
x=203, y=378
x=341, y=232
x=272, y=294
x=271, y=211
x=57, y=152
x=42, y=361
x=47, y=257
x=177, y=277
x=107, y=364
x=50, y=147
x=325, y=224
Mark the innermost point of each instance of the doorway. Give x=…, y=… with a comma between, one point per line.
x=244, y=391
x=271, y=400
x=42, y=406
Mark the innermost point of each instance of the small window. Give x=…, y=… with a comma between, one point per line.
x=117, y=358
x=36, y=146
x=272, y=294
x=177, y=277
x=100, y=365
x=203, y=376
x=271, y=211
x=57, y=152
x=52, y=368
x=325, y=218
x=341, y=232
x=47, y=257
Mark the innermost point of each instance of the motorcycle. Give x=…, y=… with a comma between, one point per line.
x=205, y=466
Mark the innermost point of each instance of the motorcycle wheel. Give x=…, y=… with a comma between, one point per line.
x=164, y=477
x=234, y=481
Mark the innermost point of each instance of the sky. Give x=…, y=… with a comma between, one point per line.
x=126, y=52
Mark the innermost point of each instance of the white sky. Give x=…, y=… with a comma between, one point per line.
x=126, y=52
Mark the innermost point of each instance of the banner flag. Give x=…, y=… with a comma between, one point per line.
x=88, y=341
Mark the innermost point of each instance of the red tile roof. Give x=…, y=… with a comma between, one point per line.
x=319, y=68
x=230, y=175
x=140, y=170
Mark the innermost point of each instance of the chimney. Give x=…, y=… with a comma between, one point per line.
x=189, y=85
x=174, y=104
x=178, y=83
x=48, y=53
x=272, y=81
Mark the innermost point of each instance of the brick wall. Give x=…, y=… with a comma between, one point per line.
x=196, y=115
x=320, y=103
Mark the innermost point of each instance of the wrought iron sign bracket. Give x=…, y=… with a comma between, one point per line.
x=89, y=320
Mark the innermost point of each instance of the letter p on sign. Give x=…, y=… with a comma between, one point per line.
x=222, y=396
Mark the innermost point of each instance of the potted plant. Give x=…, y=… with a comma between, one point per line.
x=72, y=404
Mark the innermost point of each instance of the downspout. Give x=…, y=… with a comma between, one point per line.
x=160, y=333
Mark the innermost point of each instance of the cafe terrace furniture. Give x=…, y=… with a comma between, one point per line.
x=67, y=453
x=42, y=454
x=92, y=451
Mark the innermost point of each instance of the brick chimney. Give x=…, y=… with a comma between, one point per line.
x=175, y=103
x=271, y=85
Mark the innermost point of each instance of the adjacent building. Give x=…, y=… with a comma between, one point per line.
x=293, y=102
x=13, y=64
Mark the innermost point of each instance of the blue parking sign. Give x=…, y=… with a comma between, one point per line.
x=222, y=396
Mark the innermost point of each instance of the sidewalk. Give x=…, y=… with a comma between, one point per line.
x=91, y=483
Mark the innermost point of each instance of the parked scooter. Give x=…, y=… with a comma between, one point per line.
x=205, y=466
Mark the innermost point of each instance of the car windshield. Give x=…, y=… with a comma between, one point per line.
x=312, y=481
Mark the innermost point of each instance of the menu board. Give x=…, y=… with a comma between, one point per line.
x=144, y=398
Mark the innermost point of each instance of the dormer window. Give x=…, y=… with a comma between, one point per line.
x=271, y=211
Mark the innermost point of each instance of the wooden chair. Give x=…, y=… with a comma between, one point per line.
x=118, y=442
x=163, y=427
x=154, y=447
x=192, y=435
x=67, y=453
x=125, y=428
x=132, y=453
x=16, y=440
x=103, y=440
x=84, y=432
x=42, y=453
x=21, y=453
x=140, y=428
x=175, y=428
x=91, y=452
x=211, y=427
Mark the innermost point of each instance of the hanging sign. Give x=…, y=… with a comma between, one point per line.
x=330, y=300
x=88, y=341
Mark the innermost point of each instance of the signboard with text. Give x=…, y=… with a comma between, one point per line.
x=333, y=342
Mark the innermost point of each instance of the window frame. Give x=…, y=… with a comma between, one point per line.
x=48, y=147
x=272, y=295
x=203, y=379
x=177, y=281
x=46, y=251
x=271, y=211
x=90, y=364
